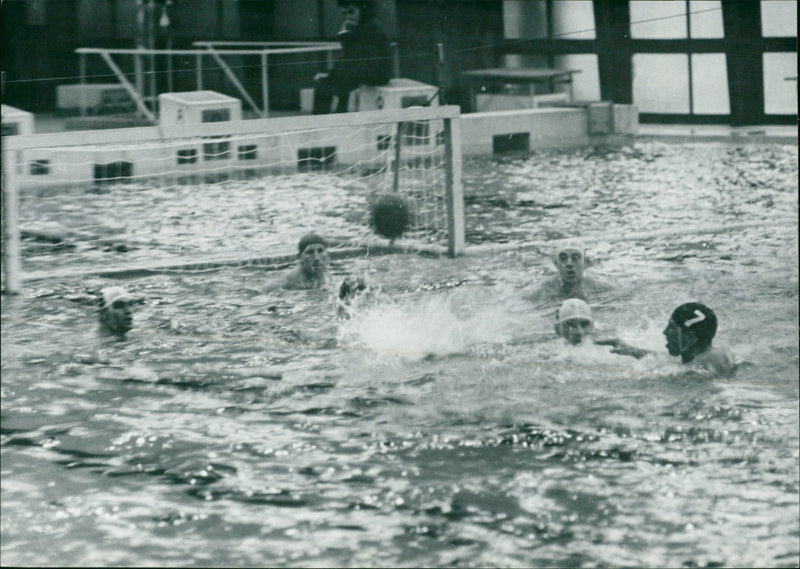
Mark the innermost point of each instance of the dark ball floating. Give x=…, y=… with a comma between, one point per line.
x=390, y=216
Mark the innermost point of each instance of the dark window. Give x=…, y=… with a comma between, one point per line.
x=248, y=152
x=517, y=142
x=187, y=156
x=10, y=128
x=318, y=158
x=415, y=133
x=40, y=167
x=415, y=101
x=216, y=115
x=113, y=171
x=217, y=150
x=384, y=141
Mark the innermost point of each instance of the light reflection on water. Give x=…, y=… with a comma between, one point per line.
x=442, y=424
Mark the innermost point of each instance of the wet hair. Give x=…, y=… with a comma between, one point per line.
x=698, y=319
x=368, y=8
x=309, y=239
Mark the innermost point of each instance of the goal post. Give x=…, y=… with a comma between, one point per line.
x=11, y=233
x=172, y=194
x=453, y=189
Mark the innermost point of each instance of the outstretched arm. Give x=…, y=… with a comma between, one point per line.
x=621, y=348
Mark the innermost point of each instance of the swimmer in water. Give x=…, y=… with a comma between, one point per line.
x=312, y=266
x=689, y=334
x=574, y=321
x=115, y=311
x=570, y=260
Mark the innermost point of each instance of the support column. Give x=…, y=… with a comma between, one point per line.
x=612, y=22
x=744, y=52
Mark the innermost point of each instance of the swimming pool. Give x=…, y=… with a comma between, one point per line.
x=441, y=425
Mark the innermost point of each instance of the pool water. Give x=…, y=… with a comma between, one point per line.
x=442, y=424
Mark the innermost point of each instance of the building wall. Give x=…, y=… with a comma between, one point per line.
x=528, y=19
x=39, y=38
x=468, y=32
x=676, y=60
x=38, y=41
x=779, y=19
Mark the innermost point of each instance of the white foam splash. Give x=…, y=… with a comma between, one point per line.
x=437, y=325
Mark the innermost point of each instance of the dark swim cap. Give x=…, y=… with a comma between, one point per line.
x=696, y=318
x=308, y=239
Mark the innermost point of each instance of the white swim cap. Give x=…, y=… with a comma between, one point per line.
x=112, y=294
x=574, y=309
x=571, y=245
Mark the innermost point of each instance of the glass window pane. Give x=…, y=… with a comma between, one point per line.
x=780, y=83
x=658, y=19
x=661, y=83
x=710, y=84
x=779, y=18
x=705, y=17
x=586, y=84
x=573, y=20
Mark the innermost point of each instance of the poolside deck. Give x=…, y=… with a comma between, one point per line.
x=788, y=134
x=770, y=133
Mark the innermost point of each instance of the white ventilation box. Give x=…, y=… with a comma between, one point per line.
x=400, y=93
x=195, y=107
x=16, y=121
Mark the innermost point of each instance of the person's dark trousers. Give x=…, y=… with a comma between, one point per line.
x=325, y=90
x=323, y=96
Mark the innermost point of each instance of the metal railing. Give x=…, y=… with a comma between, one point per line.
x=215, y=50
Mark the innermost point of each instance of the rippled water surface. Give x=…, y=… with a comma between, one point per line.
x=442, y=424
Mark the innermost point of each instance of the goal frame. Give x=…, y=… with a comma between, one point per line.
x=14, y=148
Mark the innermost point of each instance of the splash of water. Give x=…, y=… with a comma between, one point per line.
x=438, y=325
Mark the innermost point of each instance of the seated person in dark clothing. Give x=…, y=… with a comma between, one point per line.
x=366, y=58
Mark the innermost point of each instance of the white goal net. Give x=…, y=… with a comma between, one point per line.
x=224, y=192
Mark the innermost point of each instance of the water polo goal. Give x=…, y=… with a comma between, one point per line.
x=215, y=193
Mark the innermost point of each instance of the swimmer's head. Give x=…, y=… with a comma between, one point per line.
x=570, y=260
x=313, y=251
x=310, y=239
x=367, y=9
x=115, y=311
x=574, y=321
x=691, y=329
